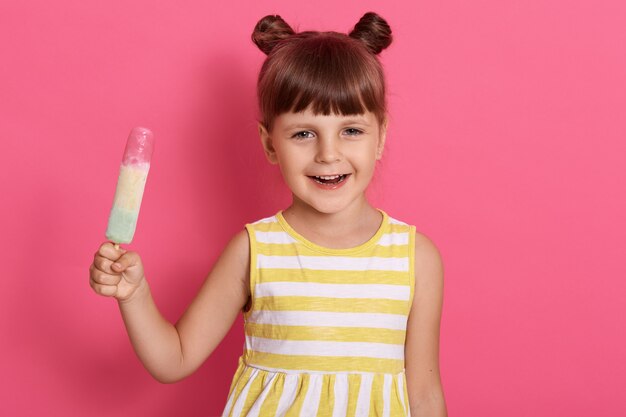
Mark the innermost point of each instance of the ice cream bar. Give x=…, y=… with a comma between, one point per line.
x=130, y=185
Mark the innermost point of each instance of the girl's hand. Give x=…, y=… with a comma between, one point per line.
x=116, y=273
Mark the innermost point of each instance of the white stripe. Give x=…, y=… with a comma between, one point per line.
x=288, y=395
x=389, y=239
x=365, y=390
x=316, y=289
x=396, y=221
x=340, y=408
x=244, y=393
x=270, y=219
x=258, y=402
x=273, y=237
x=401, y=390
x=229, y=404
x=387, y=395
x=386, y=239
x=327, y=348
x=312, y=399
x=330, y=319
x=338, y=263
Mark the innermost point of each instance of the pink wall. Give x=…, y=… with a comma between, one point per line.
x=506, y=147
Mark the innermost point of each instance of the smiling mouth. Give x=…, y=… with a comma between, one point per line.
x=329, y=179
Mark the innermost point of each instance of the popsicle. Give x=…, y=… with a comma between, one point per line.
x=130, y=186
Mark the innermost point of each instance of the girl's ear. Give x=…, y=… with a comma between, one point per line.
x=266, y=141
x=381, y=142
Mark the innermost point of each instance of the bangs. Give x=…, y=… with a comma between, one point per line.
x=323, y=74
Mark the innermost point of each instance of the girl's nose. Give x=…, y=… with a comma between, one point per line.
x=327, y=151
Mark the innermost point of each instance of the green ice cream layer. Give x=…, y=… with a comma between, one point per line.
x=122, y=224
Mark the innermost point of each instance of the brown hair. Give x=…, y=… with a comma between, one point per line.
x=329, y=70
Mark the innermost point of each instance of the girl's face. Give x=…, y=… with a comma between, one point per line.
x=326, y=161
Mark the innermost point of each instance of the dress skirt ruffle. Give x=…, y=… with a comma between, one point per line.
x=266, y=393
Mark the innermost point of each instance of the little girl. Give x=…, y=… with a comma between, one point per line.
x=341, y=302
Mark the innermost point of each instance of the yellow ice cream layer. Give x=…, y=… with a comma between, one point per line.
x=130, y=185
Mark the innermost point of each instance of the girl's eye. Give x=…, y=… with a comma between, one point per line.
x=353, y=132
x=299, y=135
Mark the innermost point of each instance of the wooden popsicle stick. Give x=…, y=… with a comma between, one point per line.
x=117, y=246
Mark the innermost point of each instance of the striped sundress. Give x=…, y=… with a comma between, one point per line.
x=325, y=332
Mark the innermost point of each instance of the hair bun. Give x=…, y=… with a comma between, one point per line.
x=270, y=30
x=373, y=31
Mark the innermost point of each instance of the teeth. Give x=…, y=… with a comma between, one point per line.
x=328, y=177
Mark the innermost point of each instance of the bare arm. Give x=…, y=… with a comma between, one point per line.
x=426, y=398
x=172, y=352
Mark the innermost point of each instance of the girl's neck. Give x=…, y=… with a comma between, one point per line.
x=348, y=228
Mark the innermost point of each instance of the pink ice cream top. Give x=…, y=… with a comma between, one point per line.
x=139, y=147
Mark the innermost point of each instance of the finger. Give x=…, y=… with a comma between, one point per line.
x=107, y=250
x=103, y=264
x=125, y=261
x=105, y=279
x=105, y=290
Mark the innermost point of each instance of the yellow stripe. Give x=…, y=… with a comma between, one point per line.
x=270, y=404
x=334, y=277
x=376, y=396
x=291, y=249
x=412, y=264
x=331, y=334
x=397, y=228
x=326, y=409
x=354, y=382
x=325, y=363
x=327, y=304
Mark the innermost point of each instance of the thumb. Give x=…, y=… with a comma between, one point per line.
x=125, y=261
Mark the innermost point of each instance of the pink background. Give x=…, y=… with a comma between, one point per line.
x=506, y=147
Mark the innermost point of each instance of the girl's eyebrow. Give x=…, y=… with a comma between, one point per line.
x=362, y=121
